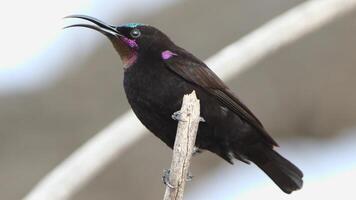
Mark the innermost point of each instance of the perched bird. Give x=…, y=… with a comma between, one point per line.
x=157, y=75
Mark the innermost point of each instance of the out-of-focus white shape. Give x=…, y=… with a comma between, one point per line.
x=105, y=145
x=29, y=30
x=28, y=27
x=227, y=64
x=35, y=50
x=329, y=173
x=277, y=33
x=31, y=42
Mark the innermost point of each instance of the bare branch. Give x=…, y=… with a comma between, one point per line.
x=189, y=117
x=98, y=152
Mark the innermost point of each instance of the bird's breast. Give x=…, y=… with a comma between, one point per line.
x=152, y=86
x=154, y=94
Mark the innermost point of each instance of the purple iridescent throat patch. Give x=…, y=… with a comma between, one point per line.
x=130, y=43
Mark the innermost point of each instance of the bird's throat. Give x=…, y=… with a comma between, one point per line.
x=128, y=54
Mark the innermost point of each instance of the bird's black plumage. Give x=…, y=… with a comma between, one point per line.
x=157, y=75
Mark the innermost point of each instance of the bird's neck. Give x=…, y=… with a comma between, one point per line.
x=129, y=59
x=128, y=54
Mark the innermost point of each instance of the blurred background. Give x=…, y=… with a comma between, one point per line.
x=60, y=87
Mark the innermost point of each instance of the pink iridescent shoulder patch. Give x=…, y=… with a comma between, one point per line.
x=167, y=54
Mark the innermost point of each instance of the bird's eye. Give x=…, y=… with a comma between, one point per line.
x=135, y=33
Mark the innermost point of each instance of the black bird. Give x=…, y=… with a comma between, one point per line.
x=157, y=75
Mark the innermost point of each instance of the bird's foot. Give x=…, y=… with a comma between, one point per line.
x=165, y=178
x=177, y=116
x=189, y=177
x=196, y=150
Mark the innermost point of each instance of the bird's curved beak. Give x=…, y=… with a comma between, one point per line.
x=126, y=52
x=108, y=30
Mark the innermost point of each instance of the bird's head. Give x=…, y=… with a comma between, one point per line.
x=130, y=40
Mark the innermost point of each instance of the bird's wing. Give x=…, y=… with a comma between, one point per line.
x=196, y=72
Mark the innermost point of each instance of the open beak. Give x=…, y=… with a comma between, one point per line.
x=110, y=31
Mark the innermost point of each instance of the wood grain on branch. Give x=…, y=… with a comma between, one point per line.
x=188, y=117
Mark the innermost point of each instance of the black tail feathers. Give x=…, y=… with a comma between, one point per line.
x=285, y=174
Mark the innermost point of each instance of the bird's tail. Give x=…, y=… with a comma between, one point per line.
x=285, y=174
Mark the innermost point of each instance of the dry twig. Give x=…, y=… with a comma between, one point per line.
x=188, y=117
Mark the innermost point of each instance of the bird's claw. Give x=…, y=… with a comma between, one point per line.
x=165, y=178
x=196, y=150
x=189, y=177
x=177, y=116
